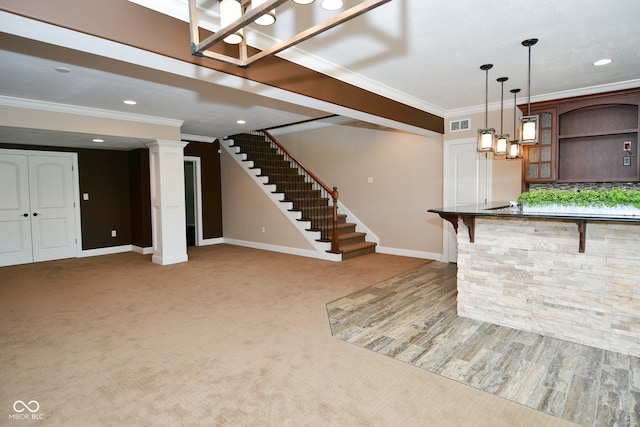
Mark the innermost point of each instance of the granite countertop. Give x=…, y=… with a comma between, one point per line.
x=503, y=210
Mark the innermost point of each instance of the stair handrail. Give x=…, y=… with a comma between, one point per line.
x=332, y=191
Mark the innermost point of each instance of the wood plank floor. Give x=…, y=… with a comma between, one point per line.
x=412, y=318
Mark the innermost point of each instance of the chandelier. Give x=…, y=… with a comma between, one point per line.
x=236, y=15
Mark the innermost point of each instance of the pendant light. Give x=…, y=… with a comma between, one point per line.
x=268, y=18
x=231, y=11
x=486, y=135
x=514, y=149
x=303, y=1
x=501, y=140
x=530, y=125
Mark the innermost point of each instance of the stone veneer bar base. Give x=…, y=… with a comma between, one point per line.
x=528, y=274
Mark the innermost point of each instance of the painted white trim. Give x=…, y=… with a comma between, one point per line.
x=106, y=251
x=197, y=138
x=141, y=250
x=285, y=250
x=10, y=101
x=214, y=241
x=410, y=253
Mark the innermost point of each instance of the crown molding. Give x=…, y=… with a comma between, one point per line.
x=611, y=87
x=198, y=138
x=9, y=101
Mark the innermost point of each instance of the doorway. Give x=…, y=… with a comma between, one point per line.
x=467, y=181
x=193, y=197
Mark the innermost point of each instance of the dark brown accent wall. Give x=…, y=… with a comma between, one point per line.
x=104, y=176
x=134, y=25
x=211, y=186
x=140, y=198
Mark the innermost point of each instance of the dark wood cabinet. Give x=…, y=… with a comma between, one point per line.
x=540, y=159
x=586, y=139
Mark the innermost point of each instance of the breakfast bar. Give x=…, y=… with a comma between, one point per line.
x=567, y=276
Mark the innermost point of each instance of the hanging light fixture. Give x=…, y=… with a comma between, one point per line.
x=501, y=140
x=303, y=1
x=331, y=4
x=514, y=149
x=530, y=126
x=231, y=11
x=486, y=135
x=268, y=18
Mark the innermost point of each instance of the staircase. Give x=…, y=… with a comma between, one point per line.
x=316, y=202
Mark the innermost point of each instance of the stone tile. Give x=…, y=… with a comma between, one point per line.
x=413, y=318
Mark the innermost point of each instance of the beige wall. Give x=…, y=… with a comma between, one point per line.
x=407, y=180
x=246, y=210
x=506, y=174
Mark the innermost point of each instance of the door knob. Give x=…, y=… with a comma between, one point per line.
x=26, y=214
x=35, y=214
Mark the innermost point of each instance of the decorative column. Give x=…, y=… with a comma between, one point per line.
x=168, y=222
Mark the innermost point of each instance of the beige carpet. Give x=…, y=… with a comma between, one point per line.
x=231, y=338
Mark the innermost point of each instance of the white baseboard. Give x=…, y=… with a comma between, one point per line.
x=214, y=241
x=285, y=250
x=409, y=253
x=141, y=250
x=105, y=251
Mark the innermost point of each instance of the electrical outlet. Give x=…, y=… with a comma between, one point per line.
x=264, y=230
x=113, y=233
x=626, y=161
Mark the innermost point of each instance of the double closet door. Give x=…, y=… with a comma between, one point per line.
x=37, y=208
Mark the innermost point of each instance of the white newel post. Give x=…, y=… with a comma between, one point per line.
x=168, y=222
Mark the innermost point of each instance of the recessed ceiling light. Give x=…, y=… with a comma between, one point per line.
x=602, y=62
x=63, y=70
x=130, y=102
x=241, y=122
x=332, y=4
x=97, y=140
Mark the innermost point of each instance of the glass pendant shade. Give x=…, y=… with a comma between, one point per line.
x=268, y=18
x=331, y=4
x=514, y=150
x=231, y=11
x=485, y=139
x=303, y=1
x=529, y=130
x=501, y=144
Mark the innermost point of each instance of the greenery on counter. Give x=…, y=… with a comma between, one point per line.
x=608, y=198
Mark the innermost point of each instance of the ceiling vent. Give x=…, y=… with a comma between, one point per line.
x=459, y=125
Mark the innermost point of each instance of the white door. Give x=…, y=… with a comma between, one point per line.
x=467, y=182
x=52, y=207
x=40, y=193
x=15, y=212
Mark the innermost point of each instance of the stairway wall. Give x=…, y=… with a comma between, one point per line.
x=246, y=209
x=407, y=171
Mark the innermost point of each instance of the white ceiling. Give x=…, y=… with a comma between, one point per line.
x=425, y=53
